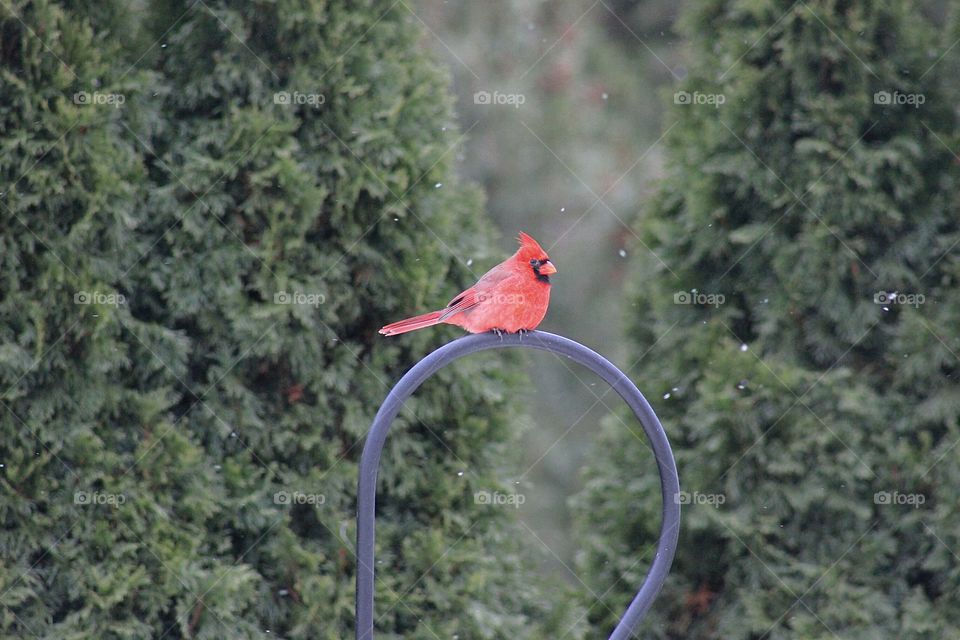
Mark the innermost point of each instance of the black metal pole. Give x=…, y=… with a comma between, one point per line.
x=370, y=462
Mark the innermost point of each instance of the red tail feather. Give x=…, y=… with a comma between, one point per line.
x=412, y=324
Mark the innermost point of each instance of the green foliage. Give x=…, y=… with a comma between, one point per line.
x=209, y=421
x=798, y=402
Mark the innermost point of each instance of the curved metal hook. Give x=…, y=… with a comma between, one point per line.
x=370, y=462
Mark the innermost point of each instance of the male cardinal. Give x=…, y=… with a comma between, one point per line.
x=511, y=297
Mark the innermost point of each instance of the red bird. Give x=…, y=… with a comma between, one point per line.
x=511, y=297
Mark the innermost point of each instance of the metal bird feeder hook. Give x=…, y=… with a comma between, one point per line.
x=370, y=462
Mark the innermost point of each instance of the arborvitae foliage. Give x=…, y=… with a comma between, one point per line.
x=75, y=409
x=277, y=188
x=815, y=429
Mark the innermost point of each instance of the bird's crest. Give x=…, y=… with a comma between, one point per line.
x=530, y=246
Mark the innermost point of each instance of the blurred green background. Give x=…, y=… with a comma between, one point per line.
x=573, y=164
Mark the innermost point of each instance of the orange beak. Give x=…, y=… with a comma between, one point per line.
x=547, y=268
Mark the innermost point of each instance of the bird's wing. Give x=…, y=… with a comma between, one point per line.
x=496, y=275
x=461, y=302
x=478, y=293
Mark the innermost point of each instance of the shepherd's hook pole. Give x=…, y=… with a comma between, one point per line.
x=370, y=462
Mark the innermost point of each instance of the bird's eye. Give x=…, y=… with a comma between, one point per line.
x=534, y=262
